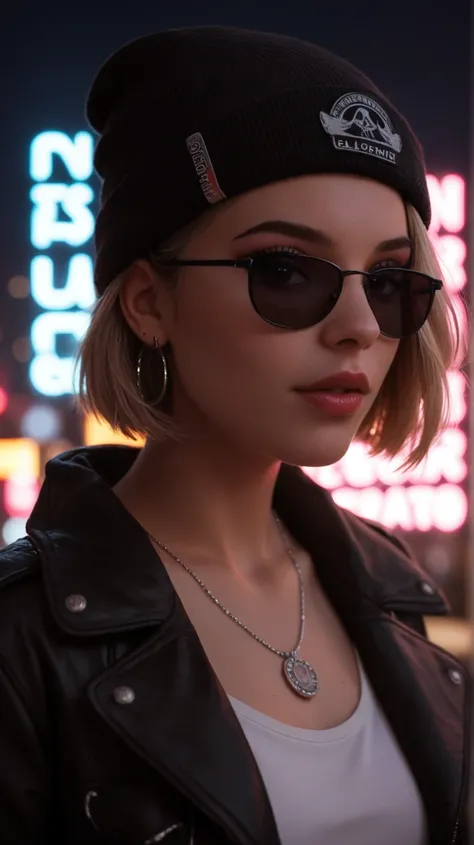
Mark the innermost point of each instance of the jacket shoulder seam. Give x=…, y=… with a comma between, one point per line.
x=426, y=605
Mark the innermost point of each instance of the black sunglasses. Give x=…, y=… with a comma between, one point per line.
x=294, y=291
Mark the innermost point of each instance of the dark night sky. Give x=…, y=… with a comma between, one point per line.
x=417, y=52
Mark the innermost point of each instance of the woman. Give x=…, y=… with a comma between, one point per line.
x=196, y=644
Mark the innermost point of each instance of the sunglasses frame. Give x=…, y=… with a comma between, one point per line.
x=248, y=263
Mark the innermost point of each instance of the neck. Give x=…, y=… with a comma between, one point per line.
x=205, y=502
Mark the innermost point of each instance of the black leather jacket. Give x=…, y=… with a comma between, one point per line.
x=113, y=726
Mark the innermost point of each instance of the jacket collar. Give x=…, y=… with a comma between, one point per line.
x=92, y=547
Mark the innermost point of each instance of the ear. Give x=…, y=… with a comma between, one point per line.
x=146, y=303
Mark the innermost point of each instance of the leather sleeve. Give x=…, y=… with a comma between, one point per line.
x=25, y=782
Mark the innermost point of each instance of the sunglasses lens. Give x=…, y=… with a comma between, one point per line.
x=293, y=291
x=400, y=300
x=298, y=291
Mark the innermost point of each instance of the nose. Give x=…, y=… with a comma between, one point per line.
x=352, y=319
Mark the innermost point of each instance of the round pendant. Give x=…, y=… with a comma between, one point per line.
x=301, y=676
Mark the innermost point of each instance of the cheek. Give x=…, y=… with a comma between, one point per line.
x=383, y=353
x=221, y=346
x=212, y=314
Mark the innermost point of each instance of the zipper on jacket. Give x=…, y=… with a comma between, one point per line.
x=455, y=832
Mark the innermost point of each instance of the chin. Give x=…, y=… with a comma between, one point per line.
x=324, y=452
x=319, y=442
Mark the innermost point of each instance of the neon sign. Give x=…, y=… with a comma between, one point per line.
x=60, y=214
x=432, y=495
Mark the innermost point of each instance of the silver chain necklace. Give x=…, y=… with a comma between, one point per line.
x=299, y=674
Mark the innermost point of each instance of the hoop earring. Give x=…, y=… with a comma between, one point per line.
x=164, y=388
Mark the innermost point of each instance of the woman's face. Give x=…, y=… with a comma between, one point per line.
x=239, y=379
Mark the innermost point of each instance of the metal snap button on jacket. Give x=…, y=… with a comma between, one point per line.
x=427, y=589
x=455, y=676
x=124, y=695
x=76, y=603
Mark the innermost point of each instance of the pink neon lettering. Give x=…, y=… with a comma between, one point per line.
x=457, y=397
x=451, y=251
x=417, y=508
x=448, y=203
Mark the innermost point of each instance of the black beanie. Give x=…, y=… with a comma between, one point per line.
x=190, y=117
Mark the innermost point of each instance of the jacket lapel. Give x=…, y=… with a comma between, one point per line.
x=427, y=710
x=182, y=724
x=423, y=690
x=180, y=720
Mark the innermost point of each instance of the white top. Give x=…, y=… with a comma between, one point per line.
x=348, y=785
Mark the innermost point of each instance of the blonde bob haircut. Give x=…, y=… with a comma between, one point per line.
x=409, y=413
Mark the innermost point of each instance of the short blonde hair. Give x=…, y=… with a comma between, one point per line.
x=413, y=405
x=410, y=411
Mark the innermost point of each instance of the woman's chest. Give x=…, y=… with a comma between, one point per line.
x=249, y=661
x=351, y=777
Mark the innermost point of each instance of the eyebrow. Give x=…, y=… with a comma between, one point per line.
x=315, y=236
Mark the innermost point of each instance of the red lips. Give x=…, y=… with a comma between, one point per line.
x=340, y=381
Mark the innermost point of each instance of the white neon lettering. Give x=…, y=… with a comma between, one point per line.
x=60, y=214
x=73, y=200
x=46, y=327
x=78, y=290
x=76, y=154
x=51, y=374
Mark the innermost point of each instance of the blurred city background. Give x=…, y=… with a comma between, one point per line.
x=418, y=55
